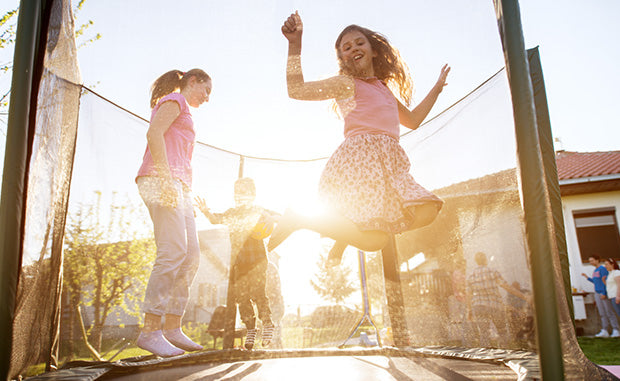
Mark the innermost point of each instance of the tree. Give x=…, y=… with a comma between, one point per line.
x=333, y=284
x=107, y=264
x=8, y=28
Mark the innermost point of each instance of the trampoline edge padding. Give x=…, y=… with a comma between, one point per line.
x=523, y=363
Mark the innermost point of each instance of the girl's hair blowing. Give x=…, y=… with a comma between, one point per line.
x=174, y=81
x=388, y=64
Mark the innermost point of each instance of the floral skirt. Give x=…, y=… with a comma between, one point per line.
x=367, y=180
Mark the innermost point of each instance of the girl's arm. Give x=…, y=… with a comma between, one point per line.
x=414, y=118
x=202, y=205
x=617, y=279
x=162, y=120
x=339, y=87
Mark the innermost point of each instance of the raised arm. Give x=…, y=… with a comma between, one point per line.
x=202, y=205
x=414, y=118
x=338, y=87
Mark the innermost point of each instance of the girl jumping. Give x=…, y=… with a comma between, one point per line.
x=366, y=183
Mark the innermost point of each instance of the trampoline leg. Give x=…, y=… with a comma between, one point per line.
x=394, y=293
x=367, y=316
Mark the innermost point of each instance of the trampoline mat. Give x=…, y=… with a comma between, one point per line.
x=370, y=368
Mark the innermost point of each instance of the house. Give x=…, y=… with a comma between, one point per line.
x=485, y=214
x=590, y=190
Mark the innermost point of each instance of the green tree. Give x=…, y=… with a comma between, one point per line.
x=8, y=28
x=107, y=262
x=333, y=284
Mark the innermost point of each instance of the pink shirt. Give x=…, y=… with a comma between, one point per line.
x=179, y=138
x=375, y=111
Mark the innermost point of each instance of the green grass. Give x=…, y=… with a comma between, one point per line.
x=601, y=351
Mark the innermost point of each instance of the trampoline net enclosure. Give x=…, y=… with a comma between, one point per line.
x=465, y=154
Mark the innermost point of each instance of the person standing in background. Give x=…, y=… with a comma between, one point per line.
x=613, y=284
x=603, y=304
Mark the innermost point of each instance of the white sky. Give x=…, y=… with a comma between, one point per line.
x=240, y=45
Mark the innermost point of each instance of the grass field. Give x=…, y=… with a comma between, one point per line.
x=601, y=351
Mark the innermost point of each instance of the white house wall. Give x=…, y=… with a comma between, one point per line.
x=580, y=202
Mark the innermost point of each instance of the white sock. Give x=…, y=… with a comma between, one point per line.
x=178, y=339
x=155, y=343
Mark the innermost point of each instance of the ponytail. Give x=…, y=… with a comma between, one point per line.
x=174, y=81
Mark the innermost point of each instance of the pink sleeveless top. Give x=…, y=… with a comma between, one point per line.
x=375, y=110
x=179, y=138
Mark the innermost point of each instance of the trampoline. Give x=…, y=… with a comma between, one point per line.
x=70, y=209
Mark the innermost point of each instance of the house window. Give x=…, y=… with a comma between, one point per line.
x=597, y=233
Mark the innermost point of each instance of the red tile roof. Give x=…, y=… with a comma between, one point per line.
x=574, y=165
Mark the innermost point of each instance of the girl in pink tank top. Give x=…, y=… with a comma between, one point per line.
x=164, y=182
x=366, y=183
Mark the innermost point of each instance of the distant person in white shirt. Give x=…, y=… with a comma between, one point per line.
x=612, y=283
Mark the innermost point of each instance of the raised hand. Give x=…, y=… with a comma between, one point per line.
x=202, y=205
x=443, y=76
x=293, y=28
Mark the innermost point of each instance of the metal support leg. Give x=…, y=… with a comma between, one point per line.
x=367, y=316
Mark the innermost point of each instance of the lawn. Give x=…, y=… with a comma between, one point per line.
x=601, y=351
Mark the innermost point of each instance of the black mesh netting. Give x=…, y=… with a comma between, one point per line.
x=466, y=155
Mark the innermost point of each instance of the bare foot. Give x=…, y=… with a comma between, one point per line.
x=288, y=224
x=335, y=254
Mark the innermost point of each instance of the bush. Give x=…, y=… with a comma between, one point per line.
x=329, y=316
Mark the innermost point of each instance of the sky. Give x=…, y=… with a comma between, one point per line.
x=240, y=45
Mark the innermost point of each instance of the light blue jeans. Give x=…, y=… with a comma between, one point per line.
x=615, y=306
x=606, y=310
x=178, y=251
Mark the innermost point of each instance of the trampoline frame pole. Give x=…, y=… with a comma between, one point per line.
x=533, y=188
x=545, y=138
x=15, y=169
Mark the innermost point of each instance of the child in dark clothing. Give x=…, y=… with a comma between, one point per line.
x=249, y=257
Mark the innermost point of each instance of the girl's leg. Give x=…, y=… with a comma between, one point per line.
x=179, y=295
x=423, y=214
x=169, y=230
x=243, y=298
x=152, y=339
x=260, y=298
x=330, y=225
x=179, y=292
x=335, y=254
x=151, y=322
x=174, y=334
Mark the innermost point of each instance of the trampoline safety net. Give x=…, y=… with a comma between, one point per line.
x=88, y=248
